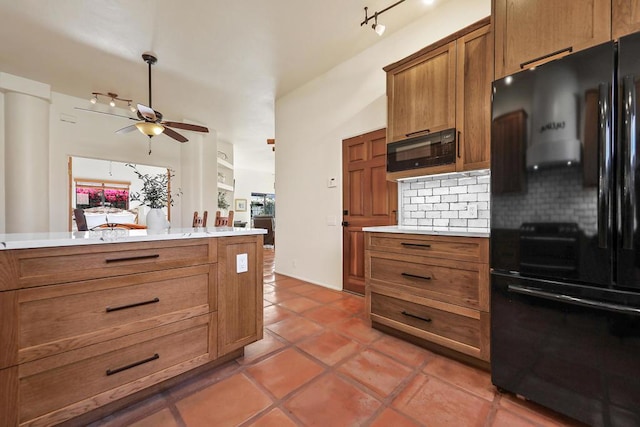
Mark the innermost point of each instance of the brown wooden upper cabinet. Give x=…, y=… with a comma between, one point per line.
x=445, y=85
x=625, y=17
x=422, y=94
x=473, y=99
x=529, y=31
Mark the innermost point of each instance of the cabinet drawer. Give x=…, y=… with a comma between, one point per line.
x=93, y=374
x=63, y=317
x=473, y=249
x=58, y=265
x=459, y=285
x=449, y=325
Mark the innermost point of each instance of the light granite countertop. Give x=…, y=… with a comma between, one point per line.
x=96, y=237
x=437, y=231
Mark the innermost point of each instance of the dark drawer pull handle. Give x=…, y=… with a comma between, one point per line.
x=416, y=132
x=135, y=304
x=550, y=55
x=416, y=245
x=133, y=365
x=415, y=276
x=426, y=319
x=133, y=258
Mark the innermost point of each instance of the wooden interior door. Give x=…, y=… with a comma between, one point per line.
x=368, y=199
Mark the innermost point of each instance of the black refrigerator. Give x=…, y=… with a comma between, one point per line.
x=565, y=238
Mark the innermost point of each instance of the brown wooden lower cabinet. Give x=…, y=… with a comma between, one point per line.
x=432, y=288
x=75, y=344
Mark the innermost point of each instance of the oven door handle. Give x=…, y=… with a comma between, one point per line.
x=524, y=290
x=604, y=166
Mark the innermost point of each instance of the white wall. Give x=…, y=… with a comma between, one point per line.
x=85, y=134
x=311, y=123
x=93, y=135
x=252, y=181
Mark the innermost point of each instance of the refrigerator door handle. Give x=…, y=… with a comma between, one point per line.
x=629, y=162
x=524, y=290
x=604, y=166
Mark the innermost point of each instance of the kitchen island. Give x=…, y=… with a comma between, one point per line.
x=91, y=321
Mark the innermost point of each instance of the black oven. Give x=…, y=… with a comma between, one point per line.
x=435, y=149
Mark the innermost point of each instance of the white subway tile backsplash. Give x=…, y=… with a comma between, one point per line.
x=479, y=188
x=468, y=181
x=480, y=223
x=449, y=198
x=441, y=191
x=460, y=189
x=448, y=182
x=473, y=197
x=442, y=202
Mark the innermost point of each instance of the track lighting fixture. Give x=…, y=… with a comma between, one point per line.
x=378, y=28
x=113, y=98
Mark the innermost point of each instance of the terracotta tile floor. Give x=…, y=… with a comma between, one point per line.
x=320, y=364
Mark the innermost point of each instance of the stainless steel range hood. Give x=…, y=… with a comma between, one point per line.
x=554, y=132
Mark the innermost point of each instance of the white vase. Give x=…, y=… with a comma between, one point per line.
x=156, y=220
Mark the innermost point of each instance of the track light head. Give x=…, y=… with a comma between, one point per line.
x=378, y=28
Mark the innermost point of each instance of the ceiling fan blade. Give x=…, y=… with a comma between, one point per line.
x=186, y=126
x=175, y=135
x=105, y=113
x=147, y=112
x=127, y=129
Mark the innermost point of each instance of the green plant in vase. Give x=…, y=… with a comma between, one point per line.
x=155, y=194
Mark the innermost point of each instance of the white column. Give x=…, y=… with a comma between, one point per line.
x=26, y=168
x=191, y=179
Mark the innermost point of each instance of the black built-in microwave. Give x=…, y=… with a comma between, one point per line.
x=435, y=149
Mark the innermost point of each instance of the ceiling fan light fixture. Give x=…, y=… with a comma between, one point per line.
x=94, y=99
x=112, y=103
x=131, y=107
x=149, y=128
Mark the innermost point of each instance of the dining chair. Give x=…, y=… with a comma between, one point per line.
x=200, y=221
x=81, y=220
x=224, y=221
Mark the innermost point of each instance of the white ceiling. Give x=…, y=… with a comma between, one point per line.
x=220, y=63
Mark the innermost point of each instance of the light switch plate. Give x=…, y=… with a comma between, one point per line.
x=242, y=263
x=473, y=210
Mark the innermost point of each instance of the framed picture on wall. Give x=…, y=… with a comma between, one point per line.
x=241, y=205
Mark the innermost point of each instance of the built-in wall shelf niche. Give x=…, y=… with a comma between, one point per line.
x=224, y=164
x=226, y=187
x=225, y=168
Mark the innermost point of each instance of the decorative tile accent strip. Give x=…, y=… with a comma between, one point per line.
x=447, y=202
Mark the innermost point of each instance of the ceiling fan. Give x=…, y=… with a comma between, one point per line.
x=152, y=123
